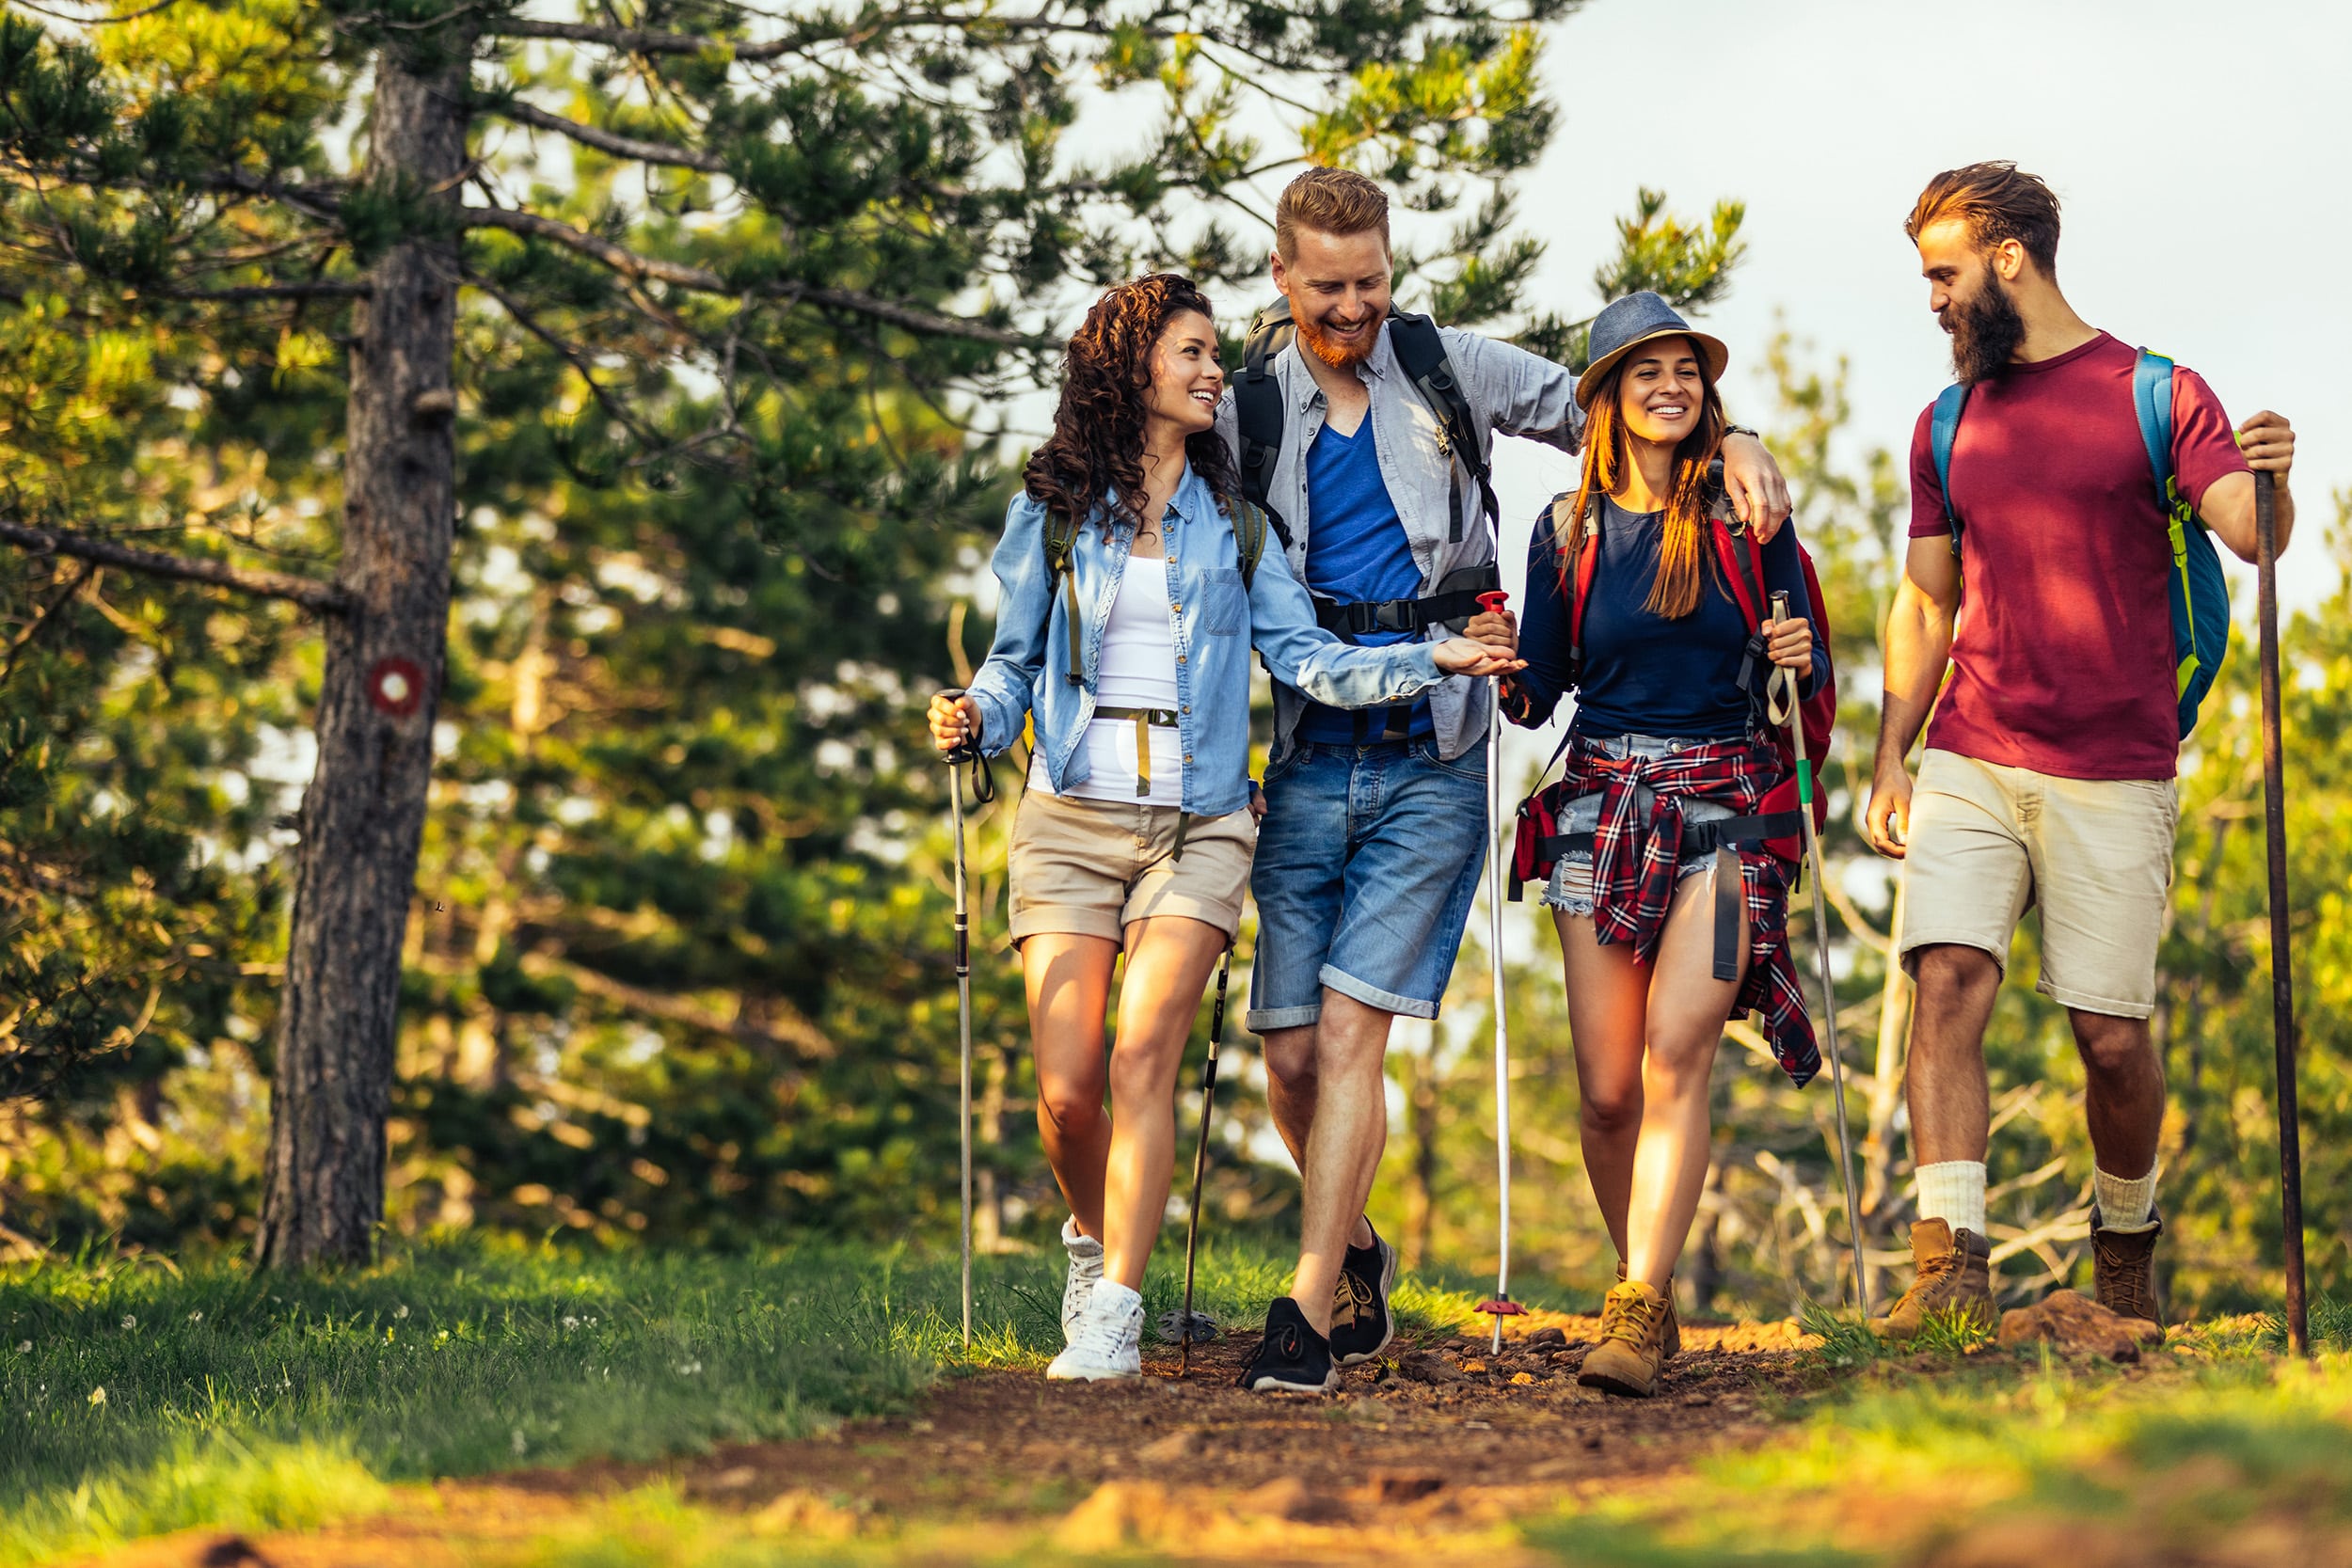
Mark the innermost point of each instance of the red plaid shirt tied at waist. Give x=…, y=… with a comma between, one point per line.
x=1638, y=844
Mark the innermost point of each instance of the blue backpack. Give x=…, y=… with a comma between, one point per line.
x=2201, y=595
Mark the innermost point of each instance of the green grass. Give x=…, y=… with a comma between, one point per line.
x=138, y=1397
x=261, y=1401
x=256, y=1403
x=1945, y=1436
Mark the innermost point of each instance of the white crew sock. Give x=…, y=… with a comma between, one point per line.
x=2127, y=1204
x=1953, y=1191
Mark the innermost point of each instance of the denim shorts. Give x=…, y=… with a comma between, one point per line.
x=1570, y=890
x=1368, y=859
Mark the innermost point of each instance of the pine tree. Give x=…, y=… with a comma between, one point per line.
x=789, y=212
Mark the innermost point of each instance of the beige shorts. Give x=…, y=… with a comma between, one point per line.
x=1095, y=867
x=1988, y=842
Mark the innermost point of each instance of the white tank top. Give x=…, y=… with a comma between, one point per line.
x=1137, y=669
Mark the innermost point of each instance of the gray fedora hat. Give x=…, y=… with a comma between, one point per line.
x=1633, y=321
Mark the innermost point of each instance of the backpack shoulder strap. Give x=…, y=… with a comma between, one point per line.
x=1420, y=350
x=1062, y=541
x=1742, y=561
x=1258, y=414
x=2151, y=402
x=1576, y=578
x=1943, y=428
x=1249, y=532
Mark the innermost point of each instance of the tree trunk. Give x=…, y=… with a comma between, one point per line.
x=363, y=815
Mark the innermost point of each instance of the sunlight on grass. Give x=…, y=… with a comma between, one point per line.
x=221, y=1483
x=1900, y=1455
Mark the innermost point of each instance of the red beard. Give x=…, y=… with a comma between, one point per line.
x=1332, y=353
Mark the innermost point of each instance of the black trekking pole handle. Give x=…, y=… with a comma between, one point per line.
x=970, y=758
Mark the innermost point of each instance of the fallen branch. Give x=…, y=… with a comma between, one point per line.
x=310, y=592
x=795, y=1035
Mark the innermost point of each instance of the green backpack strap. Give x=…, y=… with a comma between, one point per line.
x=1251, y=523
x=1062, y=541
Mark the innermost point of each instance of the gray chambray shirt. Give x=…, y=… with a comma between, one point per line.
x=1509, y=391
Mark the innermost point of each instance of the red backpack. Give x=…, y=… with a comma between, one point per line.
x=1742, y=568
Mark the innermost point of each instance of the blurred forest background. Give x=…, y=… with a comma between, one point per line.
x=739, y=362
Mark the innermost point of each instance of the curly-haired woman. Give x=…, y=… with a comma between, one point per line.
x=1672, y=915
x=1135, y=834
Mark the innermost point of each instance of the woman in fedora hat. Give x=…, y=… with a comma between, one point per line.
x=1671, y=911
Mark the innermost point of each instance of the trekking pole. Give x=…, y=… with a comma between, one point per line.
x=1200, y=1153
x=1783, y=689
x=1502, y=1306
x=983, y=791
x=2281, y=955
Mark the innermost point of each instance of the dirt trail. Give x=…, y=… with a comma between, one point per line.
x=1430, y=1445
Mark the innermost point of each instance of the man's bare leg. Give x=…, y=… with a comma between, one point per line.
x=1951, y=1108
x=1291, y=1084
x=1342, y=1147
x=2124, y=1097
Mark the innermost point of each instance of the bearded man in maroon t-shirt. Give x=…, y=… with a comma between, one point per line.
x=2049, y=775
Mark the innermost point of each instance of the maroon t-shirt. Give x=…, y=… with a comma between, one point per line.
x=2062, y=662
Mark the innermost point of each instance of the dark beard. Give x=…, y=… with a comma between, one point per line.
x=1985, y=332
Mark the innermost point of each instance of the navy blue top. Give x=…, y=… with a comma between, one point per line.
x=1356, y=553
x=1643, y=674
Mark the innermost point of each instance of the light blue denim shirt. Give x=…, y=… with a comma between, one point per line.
x=1215, y=623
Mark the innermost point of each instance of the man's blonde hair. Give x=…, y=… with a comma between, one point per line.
x=1330, y=201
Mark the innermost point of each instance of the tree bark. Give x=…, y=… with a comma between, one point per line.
x=363, y=815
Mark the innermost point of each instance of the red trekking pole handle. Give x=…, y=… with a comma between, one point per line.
x=1494, y=602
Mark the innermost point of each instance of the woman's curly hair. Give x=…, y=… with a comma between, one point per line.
x=1097, y=444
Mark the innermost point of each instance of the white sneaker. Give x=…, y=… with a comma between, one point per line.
x=1086, y=1272
x=1106, y=1340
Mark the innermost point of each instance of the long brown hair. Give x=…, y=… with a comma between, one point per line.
x=1097, y=444
x=1682, y=553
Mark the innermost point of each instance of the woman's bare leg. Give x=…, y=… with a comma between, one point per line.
x=1168, y=961
x=1068, y=981
x=1607, y=992
x=1687, y=1009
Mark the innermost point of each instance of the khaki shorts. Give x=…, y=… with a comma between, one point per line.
x=1095, y=867
x=1988, y=842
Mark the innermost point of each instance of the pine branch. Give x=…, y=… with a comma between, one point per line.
x=310, y=592
x=636, y=40
x=630, y=264
x=322, y=289
x=608, y=141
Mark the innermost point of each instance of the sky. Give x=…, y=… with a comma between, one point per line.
x=2199, y=151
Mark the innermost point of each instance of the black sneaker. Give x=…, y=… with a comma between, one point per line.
x=1291, y=1356
x=1360, y=1324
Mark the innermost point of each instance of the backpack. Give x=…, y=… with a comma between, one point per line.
x=2200, y=594
x=1061, y=542
x=1742, y=569
x=1420, y=353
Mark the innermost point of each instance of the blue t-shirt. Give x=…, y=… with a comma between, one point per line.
x=1644, y=675
x=1356, y=553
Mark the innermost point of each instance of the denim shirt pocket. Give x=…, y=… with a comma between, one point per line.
x=1224, y=603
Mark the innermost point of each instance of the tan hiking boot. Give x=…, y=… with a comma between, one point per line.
x=1633, y=1348
x=1674, y=1321
x=2123, y=1269
x=1954, y=1275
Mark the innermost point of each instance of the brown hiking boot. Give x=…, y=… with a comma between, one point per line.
x=1673, y=1341
x=2123, y=1269
x=1633, y=1343
x=1954, y=1275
